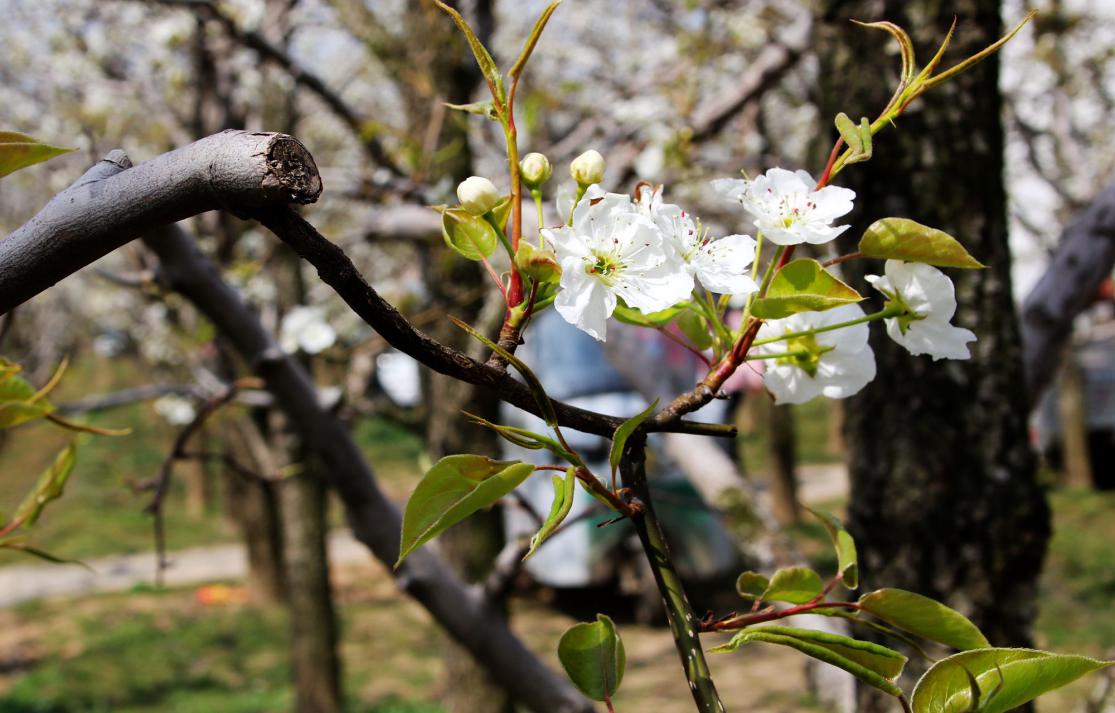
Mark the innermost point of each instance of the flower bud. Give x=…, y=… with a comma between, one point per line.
x=588, y=168
x=536, y=263
x=478, y=195
x=535, y=170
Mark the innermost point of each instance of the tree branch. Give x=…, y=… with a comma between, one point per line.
x=234, y=170
x=1082, y=260
x=464, y=612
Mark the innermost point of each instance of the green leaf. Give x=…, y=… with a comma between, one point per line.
x=593, y=657
x=1020, y=675
x=49, y=487
x=525, y=438
x=924, y=617
x=482, y=108
x=532, y=40
x=630, y=315
x=18, y=545
x=483, y=58
x=20, y=151
x=795, y=585
x=752, y=585
x=545, y=405
x=619, y=440
x=454, y=488
x=905, y=239
x=696, y=328
x=14, y=413
x=847, y=560
x=905, y=46
x=873, y=664
x=564, y=490
x=468, y=234
x=803, y=286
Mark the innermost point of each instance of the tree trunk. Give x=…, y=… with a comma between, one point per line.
x=1076, y=461
x=314, y=659
x=945, y=499
x=783, y=480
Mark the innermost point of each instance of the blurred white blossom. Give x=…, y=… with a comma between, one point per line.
x=304, y=328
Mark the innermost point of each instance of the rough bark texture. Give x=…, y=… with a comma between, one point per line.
x=944, y=495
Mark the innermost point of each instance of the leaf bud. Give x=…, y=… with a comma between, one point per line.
x=535, y=170
x=478, y=195
x=537, y=263
x=588, y=168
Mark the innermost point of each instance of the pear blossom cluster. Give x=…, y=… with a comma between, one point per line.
x=651, y=256
x=649, y=253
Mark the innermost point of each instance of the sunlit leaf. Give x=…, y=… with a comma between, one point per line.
x=803, y=286
x=752, y=585
x=795, y=585
x=49, y=487
x=1007, y=678
x=871, y=663
x=847, y=560
x=908, y=240
x=532, y=40
x=468, y=234
x=564, y=490
x=619, y=440
x=924, y=617
x=20, y=151
x=454, y=488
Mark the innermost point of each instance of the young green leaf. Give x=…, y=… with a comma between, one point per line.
x=454, y=488
x=593, y=657
x=803, y=286
x=910, y=241
x=696, y=328
x=752, y=585
x=483, y=58
x=525, y=438
x=794, y=585
x=1020, y=675
x=847, y=560
x=20, y=151
x=873, y=664
x=564, y=490
x=905, y=46
x=49, y=487
x=630, y=315
x=619, y=440
x=468, y=234
x=549, y=415
x=924, y=617
x=532, y=41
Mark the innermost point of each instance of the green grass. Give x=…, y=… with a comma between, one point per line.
x=163, y=653
x=101, y=513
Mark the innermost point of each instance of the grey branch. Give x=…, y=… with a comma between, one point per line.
x=1083, y=258
x=233, y=170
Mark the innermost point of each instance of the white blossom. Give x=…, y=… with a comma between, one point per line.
x=929, y=297
x=719, y=264
x=835, y=364
x=588, y=168
x=786, y=208
x=612, y=251
x=477, y=195
x=305, y=328
x=175, y=410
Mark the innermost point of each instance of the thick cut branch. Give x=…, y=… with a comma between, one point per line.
x=1081, y=263
x=234, y=170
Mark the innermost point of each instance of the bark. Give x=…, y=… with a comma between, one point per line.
x=945, y=499
x=234, y=170
x=314, y=659
x=1076, y=462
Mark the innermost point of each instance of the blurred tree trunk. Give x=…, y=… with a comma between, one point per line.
x=783, y=464
x=314, y=659
x=1076, y=468
x=945, y=499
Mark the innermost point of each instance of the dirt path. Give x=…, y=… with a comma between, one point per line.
x=30, y=582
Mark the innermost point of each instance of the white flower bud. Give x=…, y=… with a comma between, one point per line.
x=478, y=195
x=535, y=169
x=588, y=168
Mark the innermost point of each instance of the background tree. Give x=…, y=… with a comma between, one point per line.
x=948, y=504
